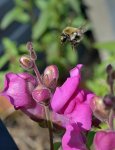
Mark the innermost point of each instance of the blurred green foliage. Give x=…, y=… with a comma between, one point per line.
x=47, y=23
x=10, y=59
x=97, y=82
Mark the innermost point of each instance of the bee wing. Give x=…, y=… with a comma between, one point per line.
x=83, y=30
x=84, y=27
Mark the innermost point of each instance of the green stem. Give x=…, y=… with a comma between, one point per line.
x=49, y=124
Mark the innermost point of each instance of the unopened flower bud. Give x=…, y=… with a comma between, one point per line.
x=26, y=62
x=50, y=76
x=41, y=94
x=99, y=109
x=108, y=101
x=109, y=68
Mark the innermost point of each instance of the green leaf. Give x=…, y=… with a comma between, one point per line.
x=57, y=145
x=10, y=46
x=78, y=22
x=71, y=55
x=22, y=48
x=8, y=19
x=105, y=45
x=52, y=52
x=40, y=26
x=104, y=126
x=90, y=137
x=23, y=4
x=16, y=14
x=21, y=16
x=75, y=5
x=98, y=86
x=3, y=60
x=41, y=4
x=2, y=73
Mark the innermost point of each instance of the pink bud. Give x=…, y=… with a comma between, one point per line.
x=99, y=109
x=26, y=62
x=50, y=76
x=41, y=93
x=109, y=68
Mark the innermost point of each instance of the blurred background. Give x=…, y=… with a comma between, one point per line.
x=42, y=21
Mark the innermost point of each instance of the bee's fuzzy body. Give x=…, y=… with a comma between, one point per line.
x=72, y=35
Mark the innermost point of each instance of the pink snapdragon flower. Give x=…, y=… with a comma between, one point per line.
x=72, y=101
x=18, y=90
x=68, y=106
x=104, y=140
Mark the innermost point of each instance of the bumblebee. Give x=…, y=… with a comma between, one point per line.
x=72, y=35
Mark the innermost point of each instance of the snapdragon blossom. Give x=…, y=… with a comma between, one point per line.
x=18, y=89
x=70, y=105
x=74, y=103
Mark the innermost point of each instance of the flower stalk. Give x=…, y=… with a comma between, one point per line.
x=33, y=57
x=49, y=125
x=37, y=73
x=111, y=120
x=110, y=81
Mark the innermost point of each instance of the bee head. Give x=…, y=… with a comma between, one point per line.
x=63, y=38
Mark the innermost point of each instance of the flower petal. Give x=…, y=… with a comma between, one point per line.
x=18, y=89
x=77, y=97
x=63, y=93
x=73, y=138
x=82, y=115
x=35, y=112
x=104, y=140
x=76, y=71
x=89, y=96
x=59, y=120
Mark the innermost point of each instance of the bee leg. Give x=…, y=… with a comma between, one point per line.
x=73, y=46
